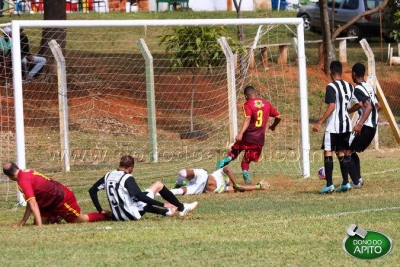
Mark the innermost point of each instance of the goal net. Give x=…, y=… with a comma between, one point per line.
x=121, y=81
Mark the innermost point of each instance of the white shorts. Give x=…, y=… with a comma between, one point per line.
x=222, y=181
x=198, y=183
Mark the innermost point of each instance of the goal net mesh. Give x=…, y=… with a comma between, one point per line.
x=107, y=105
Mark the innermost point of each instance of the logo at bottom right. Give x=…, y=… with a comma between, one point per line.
x=366, y=245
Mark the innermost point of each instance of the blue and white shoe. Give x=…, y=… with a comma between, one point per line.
x=327, y=189
x=246, y=177
x=223, y=162
x=344, y=188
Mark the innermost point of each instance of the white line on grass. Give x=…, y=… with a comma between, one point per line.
x=355, y=212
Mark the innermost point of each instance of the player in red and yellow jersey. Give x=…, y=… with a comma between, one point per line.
x=46, y=198
x=251, y=137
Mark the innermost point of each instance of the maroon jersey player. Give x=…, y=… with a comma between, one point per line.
x=251, y=137
x=46, y=198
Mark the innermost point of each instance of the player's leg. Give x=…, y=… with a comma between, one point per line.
x=344, y=157
x=328, y=143
x=359, y=144
x=183, y=208
x=233, y=154
x=252, y=153
x=182, y=177
x=71, y=212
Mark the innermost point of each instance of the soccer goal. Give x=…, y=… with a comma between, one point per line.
x=126, y=87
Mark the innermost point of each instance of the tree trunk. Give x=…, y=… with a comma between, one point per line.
x=53, y=10
x=329, y=53
x=240, y=33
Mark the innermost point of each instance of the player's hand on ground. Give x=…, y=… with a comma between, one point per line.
x=18, y=224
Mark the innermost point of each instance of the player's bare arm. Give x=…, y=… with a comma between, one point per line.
x=245, y=125
x=277, y=120
x=355, y=107
x=378, y=106
x=232, y=178
x=331, y=107
x=367, y=111
x=34, y=207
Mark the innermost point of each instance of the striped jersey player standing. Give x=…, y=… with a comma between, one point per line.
x=128, y=202
x=338, y=96
x=368, y=106
x=251, y=137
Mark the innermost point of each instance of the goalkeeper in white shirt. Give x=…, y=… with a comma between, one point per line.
x=198, y=181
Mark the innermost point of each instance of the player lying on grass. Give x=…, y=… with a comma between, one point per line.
x=199, y=181
x=47, y=198
x=126, y=199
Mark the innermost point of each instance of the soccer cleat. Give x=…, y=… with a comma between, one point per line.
x=223, y=162
x=188, y=207
x=171, y=212
x=178, y=185
x=246, y=177
x=356, y=186
x=263, y=185
x=344, y=188
x=361, y=181
x=327, y=189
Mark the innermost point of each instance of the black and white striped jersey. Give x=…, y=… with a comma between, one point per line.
x=365, y=92
x=123, y=206
x=341, y=93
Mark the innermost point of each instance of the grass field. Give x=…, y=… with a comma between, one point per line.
x=288, y=225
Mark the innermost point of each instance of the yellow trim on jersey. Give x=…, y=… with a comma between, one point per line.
x=71, y=209
x=27, y=200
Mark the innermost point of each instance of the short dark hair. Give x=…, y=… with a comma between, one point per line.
x=358, y=69
x=10, y=168
x=336, y=67
x=249, y=90
x=127, y=161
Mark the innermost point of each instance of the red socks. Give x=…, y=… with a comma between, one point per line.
x=96, y=217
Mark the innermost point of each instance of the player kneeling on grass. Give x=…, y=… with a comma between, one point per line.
x=47, y=198
x=199, y=181
x=128, y=202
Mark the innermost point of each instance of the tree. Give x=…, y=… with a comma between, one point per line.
x=53, y=10
x=328, y=37
x=197, y=49
x=239, y=16
x=391, y=19
x=329, y=53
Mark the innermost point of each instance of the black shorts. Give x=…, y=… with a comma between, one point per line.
x=335, y=141
x=362, y=141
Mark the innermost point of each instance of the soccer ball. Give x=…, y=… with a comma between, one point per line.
x=321, y=173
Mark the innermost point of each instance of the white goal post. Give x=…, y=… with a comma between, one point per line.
x=296, y=136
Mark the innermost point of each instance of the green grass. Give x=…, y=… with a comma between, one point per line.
x=288, y=225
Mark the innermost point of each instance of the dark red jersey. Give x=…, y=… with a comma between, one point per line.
x=259, y=111
x=47, y=192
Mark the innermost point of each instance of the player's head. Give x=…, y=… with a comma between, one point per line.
x=358, y=70
x=249, y=92
x=127, y=163
x=336, y=68
x=10, y=169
